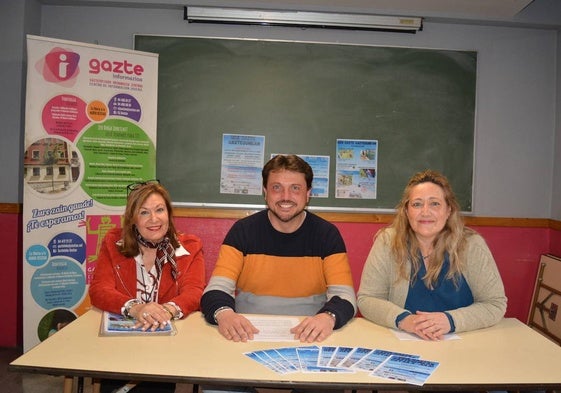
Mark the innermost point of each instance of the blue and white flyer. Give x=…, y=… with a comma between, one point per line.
x=242, y=162
x=406, y=369
x=356, y=169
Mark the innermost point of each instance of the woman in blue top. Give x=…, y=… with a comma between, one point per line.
x=427, y=273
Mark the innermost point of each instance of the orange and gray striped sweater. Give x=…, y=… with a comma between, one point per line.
x=263, y=271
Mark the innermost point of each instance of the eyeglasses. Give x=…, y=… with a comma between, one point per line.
x=133, y=186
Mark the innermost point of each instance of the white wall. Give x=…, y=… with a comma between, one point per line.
x=517, y=84
x=556, y=202
x=11, y=98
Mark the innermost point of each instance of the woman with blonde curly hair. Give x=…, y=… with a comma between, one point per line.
x=427, y=273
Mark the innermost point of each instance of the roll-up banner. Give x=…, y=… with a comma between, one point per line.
x=90, y=130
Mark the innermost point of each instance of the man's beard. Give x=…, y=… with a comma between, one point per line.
x=286, y=218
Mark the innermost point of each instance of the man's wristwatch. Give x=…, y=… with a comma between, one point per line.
x=219, y=310
x=332, y=315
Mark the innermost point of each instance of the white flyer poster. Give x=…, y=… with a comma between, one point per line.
x=242, y=162
x=90, y=130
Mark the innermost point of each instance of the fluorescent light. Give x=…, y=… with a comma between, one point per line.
x=302, y=19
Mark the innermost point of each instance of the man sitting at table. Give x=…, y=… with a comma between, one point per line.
x=283, y=260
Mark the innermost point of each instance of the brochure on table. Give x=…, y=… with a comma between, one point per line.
x=380, y=363
x=118, y=325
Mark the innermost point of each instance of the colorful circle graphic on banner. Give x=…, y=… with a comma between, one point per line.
x=51, y=167
x=37, y=255
x=97, y=110
x=125, y=105
x=117, y=153
x=60, y=283
x=53, y=321
x=65, y=115
x=70, y=245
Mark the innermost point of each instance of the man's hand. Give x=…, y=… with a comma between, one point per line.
x=235, y=327
x=316, y=328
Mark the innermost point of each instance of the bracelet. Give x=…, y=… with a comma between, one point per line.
x=332, y=315
x=219, y=310
x=175, y=307
x=127, y=308
x=171, y=314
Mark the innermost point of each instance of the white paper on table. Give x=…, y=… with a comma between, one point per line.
x=400, y=334
x=272, y=328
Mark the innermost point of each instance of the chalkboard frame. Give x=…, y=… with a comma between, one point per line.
x=450, y=139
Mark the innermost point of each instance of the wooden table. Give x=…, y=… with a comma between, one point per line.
x=508, y=356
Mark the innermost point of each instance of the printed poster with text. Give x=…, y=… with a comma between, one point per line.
x=356, y=169
x=242, y=162
x=90, y=130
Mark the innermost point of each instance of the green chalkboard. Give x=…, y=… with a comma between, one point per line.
x=419, y=104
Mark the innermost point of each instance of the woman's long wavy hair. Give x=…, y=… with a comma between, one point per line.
x=451, y=240
x=135, y=200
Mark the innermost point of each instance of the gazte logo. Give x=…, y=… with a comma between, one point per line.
x=115, y=66
x=60, y=65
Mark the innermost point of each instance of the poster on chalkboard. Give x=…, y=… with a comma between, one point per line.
x=356, y=169
x=242, y=161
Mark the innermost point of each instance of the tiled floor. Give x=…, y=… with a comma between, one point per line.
x=13, y=382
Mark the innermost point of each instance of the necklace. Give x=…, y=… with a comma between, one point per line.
x=146, y=295
x=148, y=279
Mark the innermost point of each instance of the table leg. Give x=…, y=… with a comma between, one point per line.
x=68, y=384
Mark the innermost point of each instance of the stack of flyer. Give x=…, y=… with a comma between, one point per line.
x=321, y=359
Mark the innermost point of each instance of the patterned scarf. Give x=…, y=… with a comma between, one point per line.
x=164, y=252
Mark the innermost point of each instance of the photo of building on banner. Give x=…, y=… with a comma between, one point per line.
x=90, y=130
x=356, y=169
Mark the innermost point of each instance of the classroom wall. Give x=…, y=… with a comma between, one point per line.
x=518, y=129
x=555, y=243
x=11, y=332
x=516, y=99
x=556, y=202
x=516, y=250
x=11, y=98
x=515, y=96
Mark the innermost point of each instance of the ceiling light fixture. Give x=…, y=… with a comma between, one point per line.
x=407, y=24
